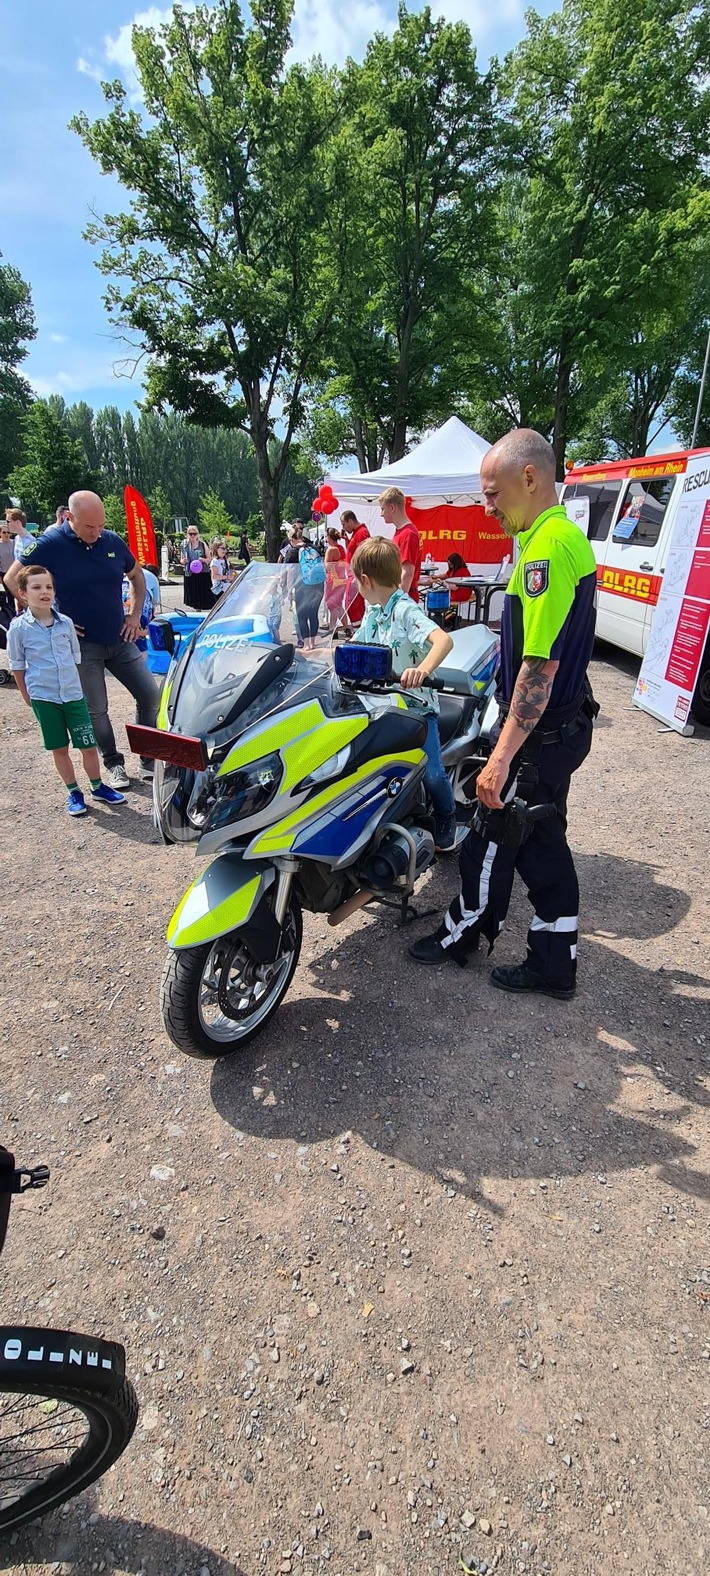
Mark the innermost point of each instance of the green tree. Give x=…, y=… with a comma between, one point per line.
x=610, y=153
x=54, y=464
x=415, y=168
x=220, y=264
x=17, y=328
x=213, y=516
x=160, y=507
x=115, y=512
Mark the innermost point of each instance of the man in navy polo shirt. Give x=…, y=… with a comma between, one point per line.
x=89, y=563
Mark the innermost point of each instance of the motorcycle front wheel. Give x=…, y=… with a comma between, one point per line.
x=216, y=997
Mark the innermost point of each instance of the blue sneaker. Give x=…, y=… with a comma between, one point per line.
x=445, y=836
x=106, y=795
x=75, y=802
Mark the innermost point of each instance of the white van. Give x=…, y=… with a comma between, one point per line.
x=627, y=509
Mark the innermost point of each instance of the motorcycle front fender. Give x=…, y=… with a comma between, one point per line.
x=223, y=898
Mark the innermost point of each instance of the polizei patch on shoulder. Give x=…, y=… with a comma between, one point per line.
x=537, y=577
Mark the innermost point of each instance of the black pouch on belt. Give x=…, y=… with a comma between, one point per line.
x=510, y=826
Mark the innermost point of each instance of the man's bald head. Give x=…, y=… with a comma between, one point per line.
x=518, y=479
x=87, y=517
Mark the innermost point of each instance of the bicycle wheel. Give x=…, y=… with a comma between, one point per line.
x=67, y=1412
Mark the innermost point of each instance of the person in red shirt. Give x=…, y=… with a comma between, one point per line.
x=355, y=533
x=393, y=508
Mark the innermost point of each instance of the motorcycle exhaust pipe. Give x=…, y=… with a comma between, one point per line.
x=350, y=906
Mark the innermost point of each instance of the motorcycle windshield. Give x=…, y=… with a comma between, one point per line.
x=228, y=674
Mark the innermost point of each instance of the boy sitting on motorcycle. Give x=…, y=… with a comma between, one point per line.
x=418, y=646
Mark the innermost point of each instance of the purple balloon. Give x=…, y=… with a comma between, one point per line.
x=196, y=566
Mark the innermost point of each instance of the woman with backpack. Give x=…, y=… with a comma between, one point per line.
x=309, y=589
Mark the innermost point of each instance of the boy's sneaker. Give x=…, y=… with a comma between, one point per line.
x=445, y=837
x=118, y=777
x=106, y=795
x=75, y=802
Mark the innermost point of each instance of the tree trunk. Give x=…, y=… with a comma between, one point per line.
x=559, y=431
x=268, y=492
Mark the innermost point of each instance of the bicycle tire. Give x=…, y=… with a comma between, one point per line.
x=106, y=1401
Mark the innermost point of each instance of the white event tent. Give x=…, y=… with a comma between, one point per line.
x=442, y=475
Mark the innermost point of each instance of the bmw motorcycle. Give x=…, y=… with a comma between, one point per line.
x=300, y=774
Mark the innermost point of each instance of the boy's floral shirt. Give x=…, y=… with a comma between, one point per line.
x=404, y=626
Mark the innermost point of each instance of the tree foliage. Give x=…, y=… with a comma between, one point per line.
x=17, y=328
x=218, y=265
x=415, y=162
x=213, y=517
x=609, y=105
x=54, y=463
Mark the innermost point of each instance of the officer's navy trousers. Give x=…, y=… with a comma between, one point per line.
x=543, y=861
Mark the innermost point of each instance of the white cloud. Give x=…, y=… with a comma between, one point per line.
x=116, y=57
x=481, y=16
x=87, y=70
x=82, y=369
x=330, y=29
x=58, y=339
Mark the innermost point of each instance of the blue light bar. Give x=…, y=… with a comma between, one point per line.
x=363, y=664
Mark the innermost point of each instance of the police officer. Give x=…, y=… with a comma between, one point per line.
x=547, y=712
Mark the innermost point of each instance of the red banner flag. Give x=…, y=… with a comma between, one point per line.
x=141, y=536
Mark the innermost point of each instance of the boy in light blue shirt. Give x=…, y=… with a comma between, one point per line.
x=43, y=652
x=418, y=646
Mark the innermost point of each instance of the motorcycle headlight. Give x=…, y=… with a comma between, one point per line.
x=245, y=793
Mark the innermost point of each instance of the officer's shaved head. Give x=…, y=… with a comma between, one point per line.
x=518, y=479
x=523, y=446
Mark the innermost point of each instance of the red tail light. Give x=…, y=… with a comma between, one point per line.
x=178, y=748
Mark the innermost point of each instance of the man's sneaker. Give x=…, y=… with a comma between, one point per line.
x=75, y=802
x=445, y=838
x=118, y=777
x=106, y=795
x=146, y=773
x=518, y=977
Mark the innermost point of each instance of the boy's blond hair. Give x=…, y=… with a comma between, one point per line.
x=29, y=573
x=393, y=495
x=380, y=560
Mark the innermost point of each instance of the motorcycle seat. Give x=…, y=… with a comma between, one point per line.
x=454, y=713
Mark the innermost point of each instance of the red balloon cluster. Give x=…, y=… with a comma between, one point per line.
x=325, y=503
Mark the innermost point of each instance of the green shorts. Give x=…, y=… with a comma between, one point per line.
x=68, y=720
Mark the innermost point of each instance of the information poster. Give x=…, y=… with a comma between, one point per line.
x=670, y=668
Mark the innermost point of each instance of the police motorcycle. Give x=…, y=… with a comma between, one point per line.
x=300, y=773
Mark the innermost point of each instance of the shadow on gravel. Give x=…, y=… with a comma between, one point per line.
x=124, y=1545
x=436, y=1068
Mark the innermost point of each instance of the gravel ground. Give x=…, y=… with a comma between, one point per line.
x=426, y=1270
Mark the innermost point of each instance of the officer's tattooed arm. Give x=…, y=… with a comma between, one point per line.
x=530, y=698
x=532, y=691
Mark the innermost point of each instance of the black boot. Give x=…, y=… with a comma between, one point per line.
x=428, y=949
x=518, y=977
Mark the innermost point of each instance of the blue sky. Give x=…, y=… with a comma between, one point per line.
x=54, y=54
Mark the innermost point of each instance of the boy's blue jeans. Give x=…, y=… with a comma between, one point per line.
x=436, y=781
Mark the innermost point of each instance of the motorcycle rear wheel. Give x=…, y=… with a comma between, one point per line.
x=215, y=998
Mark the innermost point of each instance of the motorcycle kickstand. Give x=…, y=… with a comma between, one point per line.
x=408, y=914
